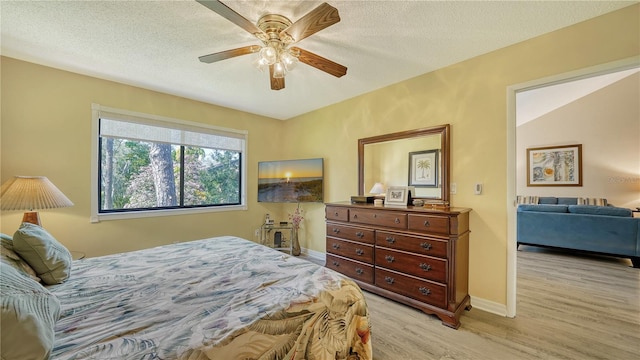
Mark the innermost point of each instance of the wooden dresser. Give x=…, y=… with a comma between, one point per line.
x=414, y=255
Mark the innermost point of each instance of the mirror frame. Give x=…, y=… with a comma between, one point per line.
x=442, y=130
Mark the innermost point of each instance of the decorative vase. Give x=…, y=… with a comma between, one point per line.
x=294, y=242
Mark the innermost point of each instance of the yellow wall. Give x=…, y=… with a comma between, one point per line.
x=471, y=96
x=46, y=130
x=46, y=119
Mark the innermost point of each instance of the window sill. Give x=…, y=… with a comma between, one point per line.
x=156, y=213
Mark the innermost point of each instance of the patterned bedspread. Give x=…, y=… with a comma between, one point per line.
x=219, y=298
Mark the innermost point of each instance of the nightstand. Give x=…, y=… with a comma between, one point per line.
x=277, y=236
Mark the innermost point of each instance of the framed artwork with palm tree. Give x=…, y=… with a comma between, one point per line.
x=423, y=168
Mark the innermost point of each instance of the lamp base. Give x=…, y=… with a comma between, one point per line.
x=31, y=217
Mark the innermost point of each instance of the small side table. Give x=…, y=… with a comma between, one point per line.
x=278, y=236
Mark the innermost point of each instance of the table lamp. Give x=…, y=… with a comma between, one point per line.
x=378, y=191
x=31, y=193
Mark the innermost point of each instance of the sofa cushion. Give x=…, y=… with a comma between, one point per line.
x=548, y=200
x=543, y=208
x=568, y=200
x=599, y=210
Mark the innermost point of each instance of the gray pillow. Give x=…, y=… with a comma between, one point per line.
x=49, y=258
x=29, y=312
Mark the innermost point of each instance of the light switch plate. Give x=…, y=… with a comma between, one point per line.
x=454, y=188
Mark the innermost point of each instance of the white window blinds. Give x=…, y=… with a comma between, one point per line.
x=132, y=127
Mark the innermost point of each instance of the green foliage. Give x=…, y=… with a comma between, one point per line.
x=210, y=176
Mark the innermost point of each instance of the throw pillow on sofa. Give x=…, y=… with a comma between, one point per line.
x=592, y=201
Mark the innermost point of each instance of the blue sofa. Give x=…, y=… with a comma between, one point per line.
x=601, y=229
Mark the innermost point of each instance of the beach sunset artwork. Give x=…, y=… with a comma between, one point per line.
x=291, y=180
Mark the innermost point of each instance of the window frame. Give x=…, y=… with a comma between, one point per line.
x=97, y=216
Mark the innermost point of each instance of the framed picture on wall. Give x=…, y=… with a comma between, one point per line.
x=423, y=168
x=555, y=166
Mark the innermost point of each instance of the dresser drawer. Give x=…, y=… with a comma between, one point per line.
x=415, y=244
x=417, y=265
x=351, y=233
x=429, y=223
x=337, y=213
x=421, y=290
x=353, y=269
x=394, y=219
x=353, y=250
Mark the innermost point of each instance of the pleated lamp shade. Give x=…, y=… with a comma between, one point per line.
x=31, y=193
x=377, y=189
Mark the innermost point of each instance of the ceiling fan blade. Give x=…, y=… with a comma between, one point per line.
x=222, y=55
x=320, y=63
x=276, y=83
x=317, y=19
x=227, y=13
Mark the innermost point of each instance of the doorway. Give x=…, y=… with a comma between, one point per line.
x=514, y=116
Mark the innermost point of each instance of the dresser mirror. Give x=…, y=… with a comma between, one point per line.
x=385, y=159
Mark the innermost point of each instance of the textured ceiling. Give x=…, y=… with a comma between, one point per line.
x=156, y=44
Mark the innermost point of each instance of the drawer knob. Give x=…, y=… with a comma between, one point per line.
x=397, y=221
x=389, y=258
x=424, y=291
x=390, y=239
x=336, y=214
x=359, y=252
x=360, y=234
x=359, y=271
x=355, y=216
x=336, y=230
x=427, y=224
x=335, y=263
x=336, y=246
x=425, y=267
x=389, y=280
x=425, y=245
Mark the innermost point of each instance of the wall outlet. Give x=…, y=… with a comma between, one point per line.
x=257, y=233
x=454, y=188
x=477, y=188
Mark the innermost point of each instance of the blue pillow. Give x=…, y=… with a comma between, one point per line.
x=599, y=210
x=568, y=201
x=543, y=208
x=547, y=200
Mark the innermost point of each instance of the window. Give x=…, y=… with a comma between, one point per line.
x=145, y=165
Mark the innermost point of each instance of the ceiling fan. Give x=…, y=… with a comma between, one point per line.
x=277, y=34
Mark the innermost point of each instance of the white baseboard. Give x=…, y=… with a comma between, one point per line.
x=489, y=306
x=317, y=255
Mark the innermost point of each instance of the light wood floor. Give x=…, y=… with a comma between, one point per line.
x=568, y=307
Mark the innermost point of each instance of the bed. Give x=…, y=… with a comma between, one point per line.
x=217, y=298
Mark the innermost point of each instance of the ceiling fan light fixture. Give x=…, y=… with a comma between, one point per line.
x=289, y=60
x=268, y=55
x=278, y=70
x=278, y=34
